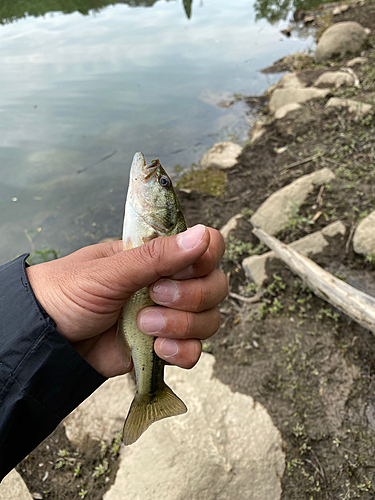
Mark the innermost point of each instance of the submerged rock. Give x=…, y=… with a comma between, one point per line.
x=274, y=213
x=340, y=39
x=221, y=155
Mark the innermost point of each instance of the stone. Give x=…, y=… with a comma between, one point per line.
x=226, y=446
x=257, y=131
x=291, y=81
x=13, y=487
x=340, y=39
x=284, y=110
x=102, y=415
x=275, y=211
x=334, y=79
x=221, y=155
x=357, y=107
x=357, y=60
x=281, y=97
x=230, y=226
x=364, y=236
x=255, y=266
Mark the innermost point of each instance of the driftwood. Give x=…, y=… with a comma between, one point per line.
x=356, y=304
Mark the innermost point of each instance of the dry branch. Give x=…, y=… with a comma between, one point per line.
x=356, y=304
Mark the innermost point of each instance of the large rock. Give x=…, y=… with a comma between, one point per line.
x=334, y=79
x=226, y=446
x=255, y=266
x=364, y=236
x=230, y=226
x=13, y=487
x=284, y=110
x=221, y=155
x=282, y=97
x=274, y=213
x=340, y=39
x=356, y=107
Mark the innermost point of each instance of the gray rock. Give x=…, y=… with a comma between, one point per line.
x=291, y=81
x=281, y=97
x=334, y=79
x=255, y=266
x=230, y=226
x=356, y=107
x=357, y=60
x=364, y=236
x=13, y=487
x=257, y=131
x=226, y=446
x=221, y=155
x=340, y=39
x=274, y=213
x=284, y=110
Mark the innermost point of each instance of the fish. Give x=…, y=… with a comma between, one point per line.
x=152, y=210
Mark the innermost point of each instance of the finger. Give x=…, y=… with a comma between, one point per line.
x=183, y=353
x=129, y=271
x=170, y=323
x=193, y=295
x=208, y=261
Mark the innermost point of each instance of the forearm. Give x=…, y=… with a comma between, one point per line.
x=42, y=377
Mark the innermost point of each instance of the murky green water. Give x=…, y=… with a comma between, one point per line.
x=80, y=92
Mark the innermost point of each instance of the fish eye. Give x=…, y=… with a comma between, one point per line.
x=164, y=181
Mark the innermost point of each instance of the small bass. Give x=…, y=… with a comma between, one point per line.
x=151, y=211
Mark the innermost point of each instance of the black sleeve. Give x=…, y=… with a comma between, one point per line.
x=42, y=377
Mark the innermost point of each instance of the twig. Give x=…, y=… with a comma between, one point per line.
x=320, y=196
x=300, y=162
x=242, y=195
x=332, y=161
x=248, y=300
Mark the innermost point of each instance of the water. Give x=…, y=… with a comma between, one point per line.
x=80, y=94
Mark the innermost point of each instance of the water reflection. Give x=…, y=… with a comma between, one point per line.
x=79, y=94
x=276, y=10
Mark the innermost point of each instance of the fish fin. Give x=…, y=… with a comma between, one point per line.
x=149, y=408
x=122, y=347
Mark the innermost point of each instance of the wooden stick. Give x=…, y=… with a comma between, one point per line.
x=356, y=304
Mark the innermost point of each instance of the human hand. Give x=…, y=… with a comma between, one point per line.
x=84, y=292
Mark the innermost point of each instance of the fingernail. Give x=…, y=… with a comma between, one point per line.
x=169, y=348
x=152, y=321
x=190, y=238
x=185, y=274
x=165, y=291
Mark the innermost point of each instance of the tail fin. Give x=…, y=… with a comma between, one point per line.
x=149, y=408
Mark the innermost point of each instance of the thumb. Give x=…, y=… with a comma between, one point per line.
x=139, y=267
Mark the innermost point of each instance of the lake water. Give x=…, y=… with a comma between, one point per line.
x=80, y=94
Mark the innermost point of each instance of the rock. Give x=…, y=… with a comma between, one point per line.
x=257, y=131
x=226, y=446
x=308, y=19
x=230, y=226
x=13, y=487
x=357, y=60
x=274, y=213
x=291, y=81
x=284, y=110
x=221, y=155
x=313, y=244
x=287, y=31
x=364, y=236
x=339, y=9
x=357, y=107
x=340, y=39
x=334, y=79
x=281, y=97
x=102, y=415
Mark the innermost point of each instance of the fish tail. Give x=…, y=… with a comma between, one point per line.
x=148, y=408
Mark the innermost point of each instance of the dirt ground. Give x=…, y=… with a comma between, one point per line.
x=308, y=364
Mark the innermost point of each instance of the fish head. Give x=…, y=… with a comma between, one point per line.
x=152, y=208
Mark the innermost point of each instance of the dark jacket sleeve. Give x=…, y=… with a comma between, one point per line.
x=42, y=377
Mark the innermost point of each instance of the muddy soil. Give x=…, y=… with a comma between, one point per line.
x=308, y=364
